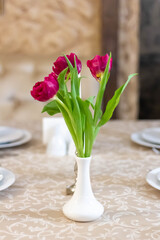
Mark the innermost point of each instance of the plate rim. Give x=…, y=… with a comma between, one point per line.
x=12, y=139
x=27, y=136
x=147, y=140
x=152, y=183
x=12, y=180
x=142, y=142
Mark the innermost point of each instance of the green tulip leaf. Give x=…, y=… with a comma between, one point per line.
x=90, y=100
x=112, y=104
x=51, y=108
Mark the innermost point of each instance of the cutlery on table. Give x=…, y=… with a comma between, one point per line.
x=155, y=150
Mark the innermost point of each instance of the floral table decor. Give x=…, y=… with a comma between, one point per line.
x=83, y=119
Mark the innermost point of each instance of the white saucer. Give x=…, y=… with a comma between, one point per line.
x=152, y=178
x=9, y=134
x=151, y=135
x=137, y=138
x=8, y=178
x=26, y=138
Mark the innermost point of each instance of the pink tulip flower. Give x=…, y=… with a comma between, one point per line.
x=97, y=66
x=60, y=64
x=44, y=90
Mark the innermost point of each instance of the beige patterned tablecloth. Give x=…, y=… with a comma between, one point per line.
x=32, y=207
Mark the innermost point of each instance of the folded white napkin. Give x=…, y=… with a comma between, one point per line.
x=57, y=137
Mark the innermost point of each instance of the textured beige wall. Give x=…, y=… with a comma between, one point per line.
x=128, y=55
x=32, y=35
x=47, y=27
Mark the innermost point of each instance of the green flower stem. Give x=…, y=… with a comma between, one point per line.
x=66, y=109
x=66, y=101
x=78, y=123
x=71, y=126
x=88, y=147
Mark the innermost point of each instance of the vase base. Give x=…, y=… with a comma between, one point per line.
x=83, y=212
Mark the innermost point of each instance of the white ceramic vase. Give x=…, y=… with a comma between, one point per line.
x=83, y=206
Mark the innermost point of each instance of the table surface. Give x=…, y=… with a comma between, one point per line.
x=32, y=207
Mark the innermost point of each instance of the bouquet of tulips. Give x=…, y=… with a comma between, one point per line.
x=82, y=122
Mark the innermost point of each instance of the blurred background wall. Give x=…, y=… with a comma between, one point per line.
x=150, y=60
x=34, y=33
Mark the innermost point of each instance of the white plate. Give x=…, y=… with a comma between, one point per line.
x=1, y=177
x=8, y=178
x=26, y=138
x=158, y=176
x=151, y=135
x=137, y=138
x=152, y=179
x=9, y=134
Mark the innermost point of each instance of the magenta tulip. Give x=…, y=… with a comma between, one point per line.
x=97, y=66
x=51, y=77
x=60, y=64
x=44, y=90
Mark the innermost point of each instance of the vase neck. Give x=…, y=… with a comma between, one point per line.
x=83, y=184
